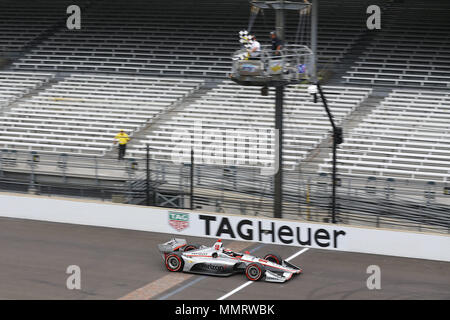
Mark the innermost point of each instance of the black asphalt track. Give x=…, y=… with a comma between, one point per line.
x=34, y=257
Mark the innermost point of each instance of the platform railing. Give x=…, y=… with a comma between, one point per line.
x=291, y=63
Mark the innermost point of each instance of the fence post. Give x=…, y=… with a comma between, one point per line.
x=34, y=158
x=191, y=194
x=147, y=166
x=96, y=170
x=308, y=209
x=1, y=163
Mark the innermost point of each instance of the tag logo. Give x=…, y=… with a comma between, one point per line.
x=179, y=220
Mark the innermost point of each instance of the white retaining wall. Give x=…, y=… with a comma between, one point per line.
x=243, y=228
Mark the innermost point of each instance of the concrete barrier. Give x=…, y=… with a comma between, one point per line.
x=243, y=228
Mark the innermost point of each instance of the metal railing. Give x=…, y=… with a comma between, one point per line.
x=416, y=205
x=292, y=63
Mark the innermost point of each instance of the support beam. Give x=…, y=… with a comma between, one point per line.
x=147, y=170
x=279, y=23
x=278, y=178
x=337, y=139
x=279, y=95
x=314, y=32
x=191, y=179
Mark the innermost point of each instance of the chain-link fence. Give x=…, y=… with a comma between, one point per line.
x=371, y=201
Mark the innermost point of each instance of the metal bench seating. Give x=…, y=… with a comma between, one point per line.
x=81, y=114
x=406, y=135
x=241, y=122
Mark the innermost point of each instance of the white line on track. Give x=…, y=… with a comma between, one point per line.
x=250, y=282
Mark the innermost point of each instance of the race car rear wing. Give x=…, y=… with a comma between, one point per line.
x=171, y=245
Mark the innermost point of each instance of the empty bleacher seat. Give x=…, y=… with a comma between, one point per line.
x=82, y=113
x=235, y=124
x=406, y=136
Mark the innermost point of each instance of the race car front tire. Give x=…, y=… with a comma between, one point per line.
x=273, y=258
x=254, y=271
x=174, y=262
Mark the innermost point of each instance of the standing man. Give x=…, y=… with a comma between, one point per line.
x=123, y=139
x=277, y=44
x=255, y=48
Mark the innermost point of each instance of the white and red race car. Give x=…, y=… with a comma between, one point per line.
x=178, y=255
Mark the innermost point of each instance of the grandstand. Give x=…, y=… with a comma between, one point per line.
x=412, y=49
x=239, y=123
x=24, y=23
x=159, y=70
x=416, y=145
x=159, y=38
x=14, y=85
x=82, y=113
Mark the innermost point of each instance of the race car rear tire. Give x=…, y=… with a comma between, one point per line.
x=273, y=258
x=254, y=271
x=174, y=262
x=190, y=247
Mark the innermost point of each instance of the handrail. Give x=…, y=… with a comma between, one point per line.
x=369, y=200
x=290, y=57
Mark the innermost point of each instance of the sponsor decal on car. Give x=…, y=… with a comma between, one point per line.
x=179, y=220
x=204, y=266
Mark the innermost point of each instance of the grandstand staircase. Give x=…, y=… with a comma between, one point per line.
x=321, y=152
x=35, y=91
x=137, y=184
x=167, y=114
x=42, y=37
x=48, y=33
x=389, y=13
x=352, y=55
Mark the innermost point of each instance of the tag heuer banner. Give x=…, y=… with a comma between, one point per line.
x=229, y=227
x=179, y=220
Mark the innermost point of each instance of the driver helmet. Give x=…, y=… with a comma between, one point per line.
x=218, y=245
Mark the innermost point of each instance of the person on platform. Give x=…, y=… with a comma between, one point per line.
x=255, y=48
x=277, y=44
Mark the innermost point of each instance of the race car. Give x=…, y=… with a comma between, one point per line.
x=178, y=256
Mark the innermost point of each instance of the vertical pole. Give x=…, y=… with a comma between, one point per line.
x=279, y=20
x=308, y=210
x=191, y=194
x=333, y=196
x=279, y=93
x=96, y=170
x=147, y=168
x=278, y=179
x=330, y=117
x=1, y=164
x=314, y=23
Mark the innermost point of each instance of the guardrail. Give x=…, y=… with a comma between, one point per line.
x=292, y=63
x=232, y=189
